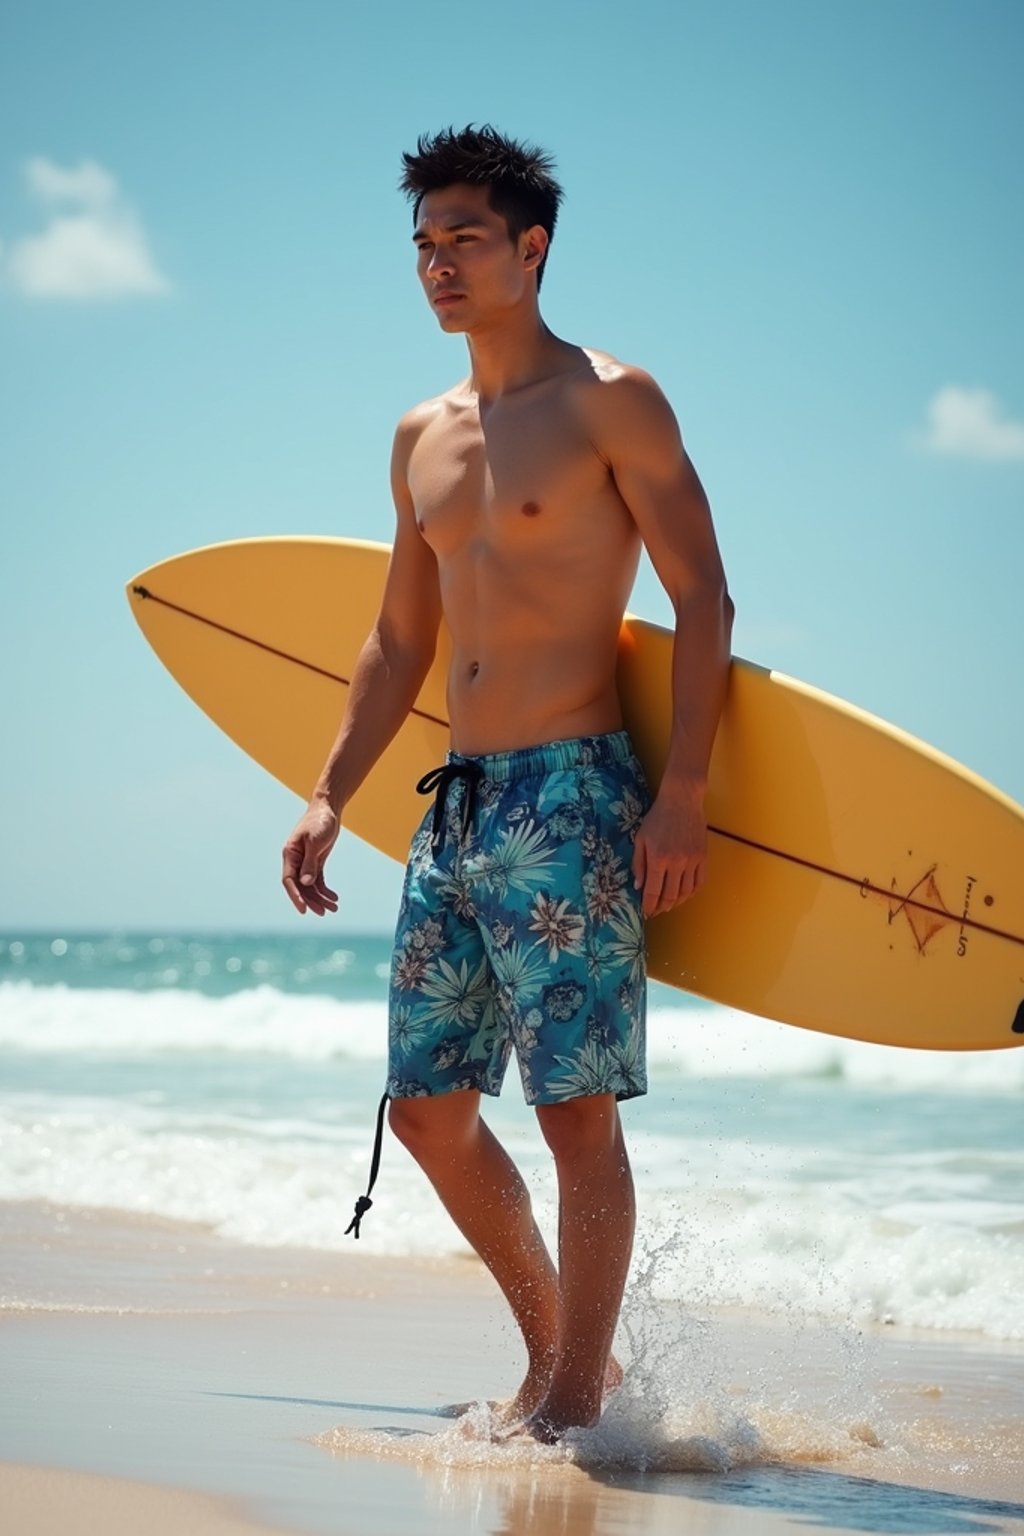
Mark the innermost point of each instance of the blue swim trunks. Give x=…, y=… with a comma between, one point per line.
x=519, y=926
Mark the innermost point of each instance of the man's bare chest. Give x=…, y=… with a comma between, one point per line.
x=527, y=476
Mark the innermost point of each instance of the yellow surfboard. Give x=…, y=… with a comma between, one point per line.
x=859, y=882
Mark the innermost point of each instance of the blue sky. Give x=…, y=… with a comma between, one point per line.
x=804, y=219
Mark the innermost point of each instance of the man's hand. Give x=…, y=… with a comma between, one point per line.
x=670, y=852
x=304, y=855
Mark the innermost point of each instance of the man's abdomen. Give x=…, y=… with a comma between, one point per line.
x=521, y=696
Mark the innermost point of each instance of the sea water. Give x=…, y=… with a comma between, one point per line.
x=233, y=1080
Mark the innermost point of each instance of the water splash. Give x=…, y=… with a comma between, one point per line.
x=700, y=1395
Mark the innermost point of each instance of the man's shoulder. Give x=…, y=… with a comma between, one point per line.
x=618, y=398
x=412, y=422
x=417, y=418
x=616, y=377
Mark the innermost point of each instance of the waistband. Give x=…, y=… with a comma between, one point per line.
x=551, y=756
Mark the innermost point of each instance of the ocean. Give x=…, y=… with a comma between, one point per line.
x=233, y=1080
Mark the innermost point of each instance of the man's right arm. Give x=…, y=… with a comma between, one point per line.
x=389, y=673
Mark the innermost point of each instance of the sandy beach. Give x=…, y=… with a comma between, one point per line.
x=157, y=1377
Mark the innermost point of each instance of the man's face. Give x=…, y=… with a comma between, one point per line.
x=470, y=269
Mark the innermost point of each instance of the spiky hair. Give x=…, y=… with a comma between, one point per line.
x=518, y=176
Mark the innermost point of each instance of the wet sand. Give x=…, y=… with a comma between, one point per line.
x=300, y=1391
x=44, y=1501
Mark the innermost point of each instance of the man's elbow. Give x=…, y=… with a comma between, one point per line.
x=409, y=650
x=711, y=595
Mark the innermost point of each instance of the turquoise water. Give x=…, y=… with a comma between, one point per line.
x=233, y=1080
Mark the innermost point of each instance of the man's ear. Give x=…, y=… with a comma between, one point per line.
x=534, y=246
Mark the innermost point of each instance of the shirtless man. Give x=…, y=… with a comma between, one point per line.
x=523, y=496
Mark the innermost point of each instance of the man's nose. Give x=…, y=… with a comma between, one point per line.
x=440, y=264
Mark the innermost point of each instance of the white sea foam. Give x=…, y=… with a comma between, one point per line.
x=697, y=1397
x=705, y=1042
x=628, y=1439
x=723, y=1042
x=734, y=1224
x=260, y=1020
x=821, y=1257
x=767, y=1163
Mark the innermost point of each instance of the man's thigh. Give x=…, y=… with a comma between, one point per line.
x=565, y=931
x=444, y=1033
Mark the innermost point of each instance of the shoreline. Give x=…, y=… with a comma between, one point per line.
x=126, y=1249
x=304, y=1388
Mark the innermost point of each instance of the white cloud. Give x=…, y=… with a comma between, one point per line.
x=89, y=185
x=971, y=424
x=93, y=246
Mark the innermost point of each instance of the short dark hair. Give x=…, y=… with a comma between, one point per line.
x=518, y=176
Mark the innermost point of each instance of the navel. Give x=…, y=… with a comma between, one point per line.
x=474, y=668
x=530, y=509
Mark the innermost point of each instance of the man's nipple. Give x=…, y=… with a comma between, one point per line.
x=531, y=508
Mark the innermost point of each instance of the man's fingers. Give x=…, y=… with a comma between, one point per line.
x=323, y=889
x=301, y=879
x=690, y=883
x=312, y=859
x=314, y=888
x=672, y=889
x=302, y=874
x=653, y=887
x=291, y=860
x=668, y=886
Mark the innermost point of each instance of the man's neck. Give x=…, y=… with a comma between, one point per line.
x=510, y=352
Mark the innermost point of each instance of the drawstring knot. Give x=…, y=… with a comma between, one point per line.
x=441, y=780
x=364, y=1202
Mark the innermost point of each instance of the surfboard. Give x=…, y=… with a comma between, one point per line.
x=859, y=882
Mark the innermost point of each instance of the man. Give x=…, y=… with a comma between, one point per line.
x=523, y=496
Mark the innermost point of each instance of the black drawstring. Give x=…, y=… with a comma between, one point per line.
x=364, y=1202
x=439, y=779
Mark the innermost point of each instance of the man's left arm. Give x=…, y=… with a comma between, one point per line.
x=637, y=435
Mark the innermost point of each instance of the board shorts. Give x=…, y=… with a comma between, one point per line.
x=519, y=926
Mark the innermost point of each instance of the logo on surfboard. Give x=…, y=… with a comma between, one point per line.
x=926, y=911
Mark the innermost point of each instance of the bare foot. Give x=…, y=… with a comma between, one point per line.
x=552, y=1417
x=507, y=1411
x=550, y=1423
x=512, y=1411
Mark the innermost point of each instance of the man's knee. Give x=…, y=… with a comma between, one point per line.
x=580, y=1128
x=422, y=1125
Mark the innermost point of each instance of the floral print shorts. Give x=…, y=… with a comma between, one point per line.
x=519, y=926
